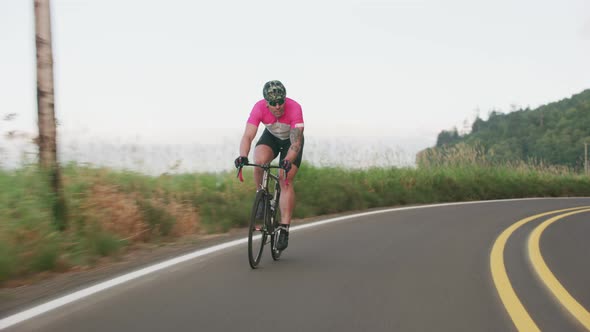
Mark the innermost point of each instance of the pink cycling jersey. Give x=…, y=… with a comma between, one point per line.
x=281, y=127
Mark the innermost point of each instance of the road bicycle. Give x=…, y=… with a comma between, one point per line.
x=265, y=224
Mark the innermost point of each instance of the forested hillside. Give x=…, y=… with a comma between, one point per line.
x=553, y=134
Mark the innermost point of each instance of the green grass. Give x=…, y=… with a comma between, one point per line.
x=110, y=211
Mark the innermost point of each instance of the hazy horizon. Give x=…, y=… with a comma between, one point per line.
x=194, y=157
x=213, y=149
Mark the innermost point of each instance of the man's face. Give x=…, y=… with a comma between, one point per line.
x=277, y=110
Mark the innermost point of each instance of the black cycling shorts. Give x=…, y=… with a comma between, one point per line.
x=280, y=146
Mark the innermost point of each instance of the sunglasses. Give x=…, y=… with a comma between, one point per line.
x=276, y=102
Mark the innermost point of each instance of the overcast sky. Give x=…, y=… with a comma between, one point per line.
x=180, y=71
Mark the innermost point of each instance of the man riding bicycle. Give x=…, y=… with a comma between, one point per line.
x=283, y=135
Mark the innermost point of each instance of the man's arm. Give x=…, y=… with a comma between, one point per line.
x=296, y=137
x=247, y=138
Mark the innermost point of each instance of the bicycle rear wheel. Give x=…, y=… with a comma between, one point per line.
x=257, y=227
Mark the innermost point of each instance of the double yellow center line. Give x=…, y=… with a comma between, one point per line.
x=516, y=310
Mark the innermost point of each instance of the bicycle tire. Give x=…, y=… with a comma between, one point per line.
x=257, y=226
x=275, y=253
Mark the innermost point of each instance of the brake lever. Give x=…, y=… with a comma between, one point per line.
x=240, y=176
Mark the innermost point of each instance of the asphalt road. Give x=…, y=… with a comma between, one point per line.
x=424, y=269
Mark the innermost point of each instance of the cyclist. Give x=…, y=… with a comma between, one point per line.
x=283, y=136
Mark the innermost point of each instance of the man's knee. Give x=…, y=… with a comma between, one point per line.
x=263, y=154
x=290, y=177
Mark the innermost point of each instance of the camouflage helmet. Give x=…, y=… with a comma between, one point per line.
x=274, y=91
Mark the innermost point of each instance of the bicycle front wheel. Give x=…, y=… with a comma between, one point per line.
x=257, y=227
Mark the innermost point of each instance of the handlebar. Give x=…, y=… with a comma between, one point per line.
x=263, y=166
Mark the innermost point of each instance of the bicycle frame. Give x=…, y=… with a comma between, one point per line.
x=267, y=175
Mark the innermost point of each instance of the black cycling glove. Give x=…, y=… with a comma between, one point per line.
x=286, y=165
x=240, y=161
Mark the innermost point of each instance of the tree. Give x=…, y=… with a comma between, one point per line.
x=47, y=139
x=478, y=124
x=554, y=133
x=447, y=137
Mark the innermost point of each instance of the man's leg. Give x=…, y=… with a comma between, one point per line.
x=263, y=154
x=287, y=200
x=287, y=205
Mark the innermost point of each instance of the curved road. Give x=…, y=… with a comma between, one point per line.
x=427, y=268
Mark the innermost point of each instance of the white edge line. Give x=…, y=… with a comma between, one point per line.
x=75, y=296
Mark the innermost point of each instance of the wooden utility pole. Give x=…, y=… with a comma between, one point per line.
x=47, y=139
